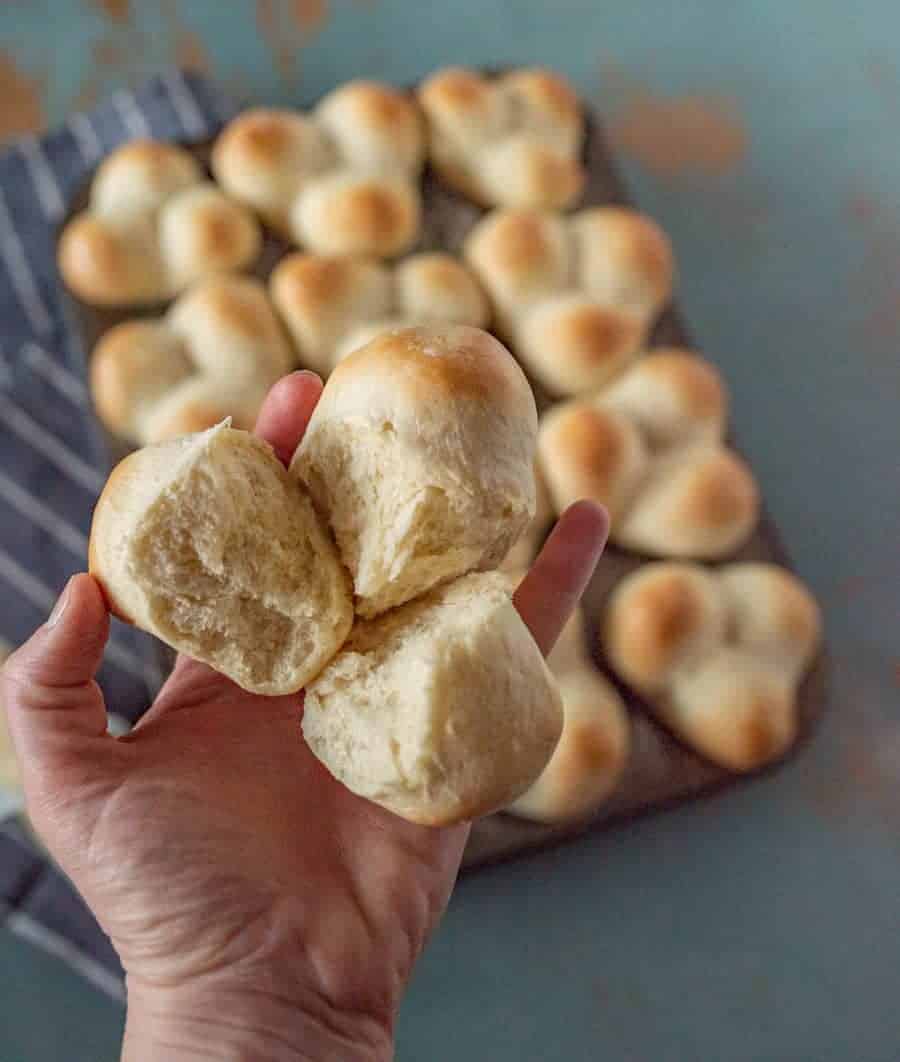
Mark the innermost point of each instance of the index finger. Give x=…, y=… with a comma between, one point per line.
x=286, y=412
x=557, y=579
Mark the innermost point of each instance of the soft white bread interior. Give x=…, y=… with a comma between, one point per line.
x=206, y=542
x=650, y=448
x=420, y=454
x=512, y=140
x=590, y=758
x=215, y=353
x=575, y=296
x=442, y=710
x=340, y=180
x=154, y=225
x=332, y=306
x=717, y=654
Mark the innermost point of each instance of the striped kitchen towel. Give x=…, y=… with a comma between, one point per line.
x=54, y=459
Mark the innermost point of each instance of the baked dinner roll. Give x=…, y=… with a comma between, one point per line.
x=332, y=306
x=513, y=140
x=420, y=454
x=650, y=449
x=442, y=710
x=716, y=654
x=587, y=764
x=215, y=353
x=590, y=757
x=154, y=225
x=340, y=180
x=206, y=542
x=575, y=296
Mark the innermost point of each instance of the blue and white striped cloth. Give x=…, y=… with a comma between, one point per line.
x=53, y=457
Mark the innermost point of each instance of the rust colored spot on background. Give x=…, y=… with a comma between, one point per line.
x=276, y=37
x=191, y=53
x=22, y=110
x=875, y=283
x=675, y=135
x=109, y=54
x=679, y=135
x=310, y=14
x=267, y=19
x=87, y=95
x=118, y=10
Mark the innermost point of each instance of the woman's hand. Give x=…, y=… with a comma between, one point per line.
x=260, y=909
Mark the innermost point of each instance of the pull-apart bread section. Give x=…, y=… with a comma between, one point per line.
x=334, y=305
x=441, y=710
x=419, y=459
x=420, y=455
x=717, y=654
x=215, y=353
x=207, y=543
x=574, y=296
x=341, y=179
x=153, y=226
x=650, y=448
x=512, y=140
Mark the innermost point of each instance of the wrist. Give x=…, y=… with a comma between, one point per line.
x=242, y=1024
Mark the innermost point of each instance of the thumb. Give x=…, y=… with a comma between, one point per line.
x=53, y=704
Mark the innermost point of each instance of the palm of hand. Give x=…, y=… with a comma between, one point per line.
x=219, y=846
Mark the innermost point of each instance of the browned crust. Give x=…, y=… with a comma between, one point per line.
x=456, y=361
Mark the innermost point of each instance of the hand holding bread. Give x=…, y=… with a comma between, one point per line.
x=413, y=477
x=419, y=459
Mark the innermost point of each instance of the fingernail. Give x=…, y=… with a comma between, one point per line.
x=305, y=372
x=59, y=608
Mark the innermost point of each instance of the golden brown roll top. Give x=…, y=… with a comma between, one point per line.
x=512, y=140
x=154, y=225
x=215, y=353
x=333, y=305
x=717, y=654
x=420, y=453
x=339, y=180
x=592, y=753
x=576, y=296
x=650, y=449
